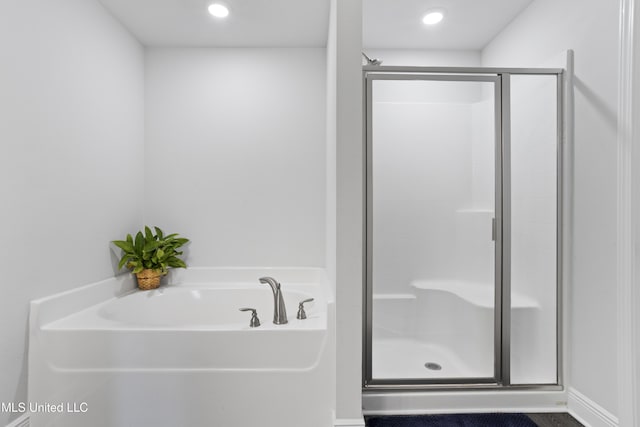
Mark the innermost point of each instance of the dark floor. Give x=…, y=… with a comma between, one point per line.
x=555, y=420
x=475, y=420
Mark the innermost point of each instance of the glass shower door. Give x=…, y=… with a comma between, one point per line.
x=433, y=228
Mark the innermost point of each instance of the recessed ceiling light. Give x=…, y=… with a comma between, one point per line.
x=219, y=10
x=433, y=17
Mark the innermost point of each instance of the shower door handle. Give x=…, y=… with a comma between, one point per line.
x=493, y=229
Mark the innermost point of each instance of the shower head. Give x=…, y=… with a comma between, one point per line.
x=371, y=61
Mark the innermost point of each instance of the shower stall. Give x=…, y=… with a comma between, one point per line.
x=463, y=227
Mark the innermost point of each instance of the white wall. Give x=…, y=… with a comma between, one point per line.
x=331, y=189
x=542, y=32
x=71, y=141
x=235, y=153
x=330, y=240
x=347, y=36
x=632, y=411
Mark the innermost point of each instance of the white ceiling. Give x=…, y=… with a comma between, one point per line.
x=468, y=24
x=251, y=23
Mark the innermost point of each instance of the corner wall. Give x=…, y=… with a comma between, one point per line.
x=71, y=141
x=542, y=32
x=330, y=215
x=345, y=45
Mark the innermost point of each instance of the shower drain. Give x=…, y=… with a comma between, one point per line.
x=433, y=366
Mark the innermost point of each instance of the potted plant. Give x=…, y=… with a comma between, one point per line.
x=150, y=254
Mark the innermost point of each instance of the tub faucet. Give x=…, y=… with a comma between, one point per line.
x=279, y=310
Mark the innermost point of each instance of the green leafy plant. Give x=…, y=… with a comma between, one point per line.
x=152, y=251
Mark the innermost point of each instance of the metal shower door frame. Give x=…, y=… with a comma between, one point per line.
x=500, y=77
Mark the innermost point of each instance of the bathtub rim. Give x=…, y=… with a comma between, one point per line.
x=93, y=317
x=62, y=304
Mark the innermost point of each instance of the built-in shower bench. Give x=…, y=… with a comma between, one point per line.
x=478, y=294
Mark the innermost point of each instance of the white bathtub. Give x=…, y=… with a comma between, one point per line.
x=184, y=354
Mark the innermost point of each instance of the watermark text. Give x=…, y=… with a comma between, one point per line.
x=44, y=407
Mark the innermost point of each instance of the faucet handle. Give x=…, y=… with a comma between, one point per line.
x=301, y=313
x=255, y=322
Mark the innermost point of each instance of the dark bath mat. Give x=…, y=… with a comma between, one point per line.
x=455, y=420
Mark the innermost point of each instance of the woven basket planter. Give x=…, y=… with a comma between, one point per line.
x=148, y=279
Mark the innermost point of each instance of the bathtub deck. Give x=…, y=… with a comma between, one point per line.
x=406, y=357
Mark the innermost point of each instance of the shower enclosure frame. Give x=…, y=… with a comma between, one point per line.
x=502, y=309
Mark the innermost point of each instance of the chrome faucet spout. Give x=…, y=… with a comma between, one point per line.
x=279, y=310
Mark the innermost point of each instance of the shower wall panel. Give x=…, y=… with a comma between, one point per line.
x=534, y=157
x=422, y=177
